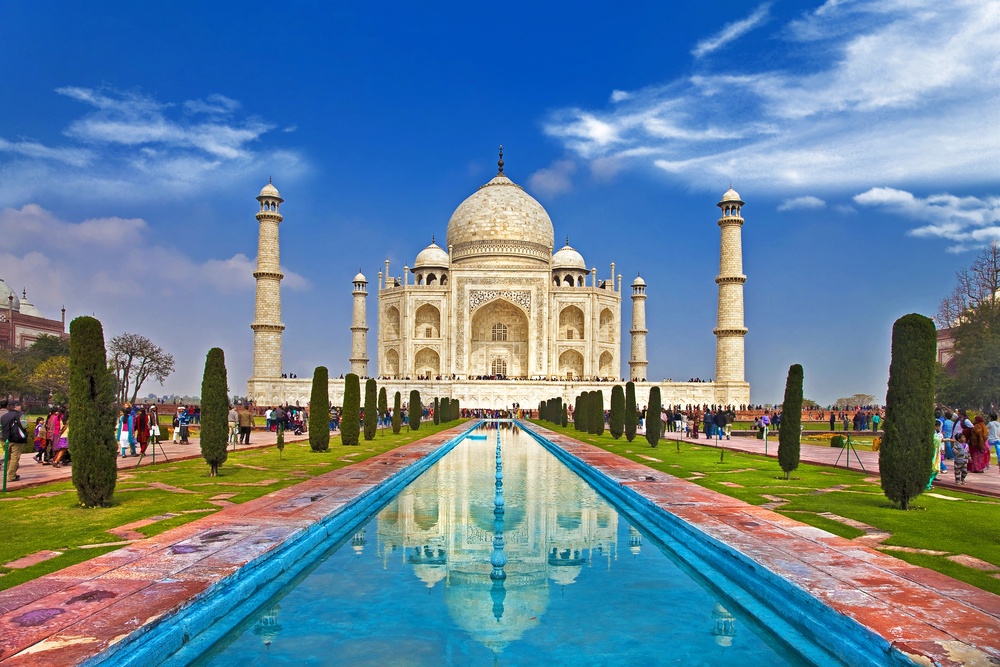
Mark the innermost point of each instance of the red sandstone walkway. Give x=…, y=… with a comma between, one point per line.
x=987, y=483
x=930, y=617
x=34, y=474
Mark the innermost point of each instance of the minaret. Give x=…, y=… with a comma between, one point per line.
x=359, y=328
x=267, y=326
x=637, y=364
x=730, y=331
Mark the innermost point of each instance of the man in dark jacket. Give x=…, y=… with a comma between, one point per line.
x=13, y=437
x=709, y=422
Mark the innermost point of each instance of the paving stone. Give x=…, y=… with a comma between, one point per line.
x=970, y=561
x=32, y=559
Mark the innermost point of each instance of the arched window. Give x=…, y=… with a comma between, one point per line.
x=431, y=279
x=579, y=281
x=555, y=281
x=568, y=280
x=420, y=279
x=444, y=278
x=499, y=366
x=500, y=331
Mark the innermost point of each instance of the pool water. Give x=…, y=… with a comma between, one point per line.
x=580, y=585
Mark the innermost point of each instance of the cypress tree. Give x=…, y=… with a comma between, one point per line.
x=91, y=402
x=437, y=410
x=565, y=416
x=319, y=411
x=445, y=410
x=458, y=409
x=653, y=423
x=371, y=409
x=598, y=412
x=791, y=420
x=416, y=411
x=616, y=420
x=214, y=410
x=350, y=423
x=907, y=448
x=557, y=418
x=383, y=405
x=541, y=411
x=584, y=414
x=397, y=414
x=631, y=417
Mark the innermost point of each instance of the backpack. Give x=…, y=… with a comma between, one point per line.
x=17, y=433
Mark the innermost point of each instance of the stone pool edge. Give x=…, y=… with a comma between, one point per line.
x=892, y=612
x=137, y=605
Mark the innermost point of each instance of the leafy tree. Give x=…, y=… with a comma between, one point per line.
x=809, y=403
x=437, y=410
x=905, y=455
x=653, y=422
x=52, y=376
x=371, y=409
x=350, y=422
x=565, y=416
x=383, y=405
x=397, y=413
x=631, y=416
x=616, y=420
x=135, y=359
x=319, y=411
x=791, y=420
x=11, y=377
x=416, y=410
x=214, y=410
x=597, y=412
x=851, y=401
x=91, y=400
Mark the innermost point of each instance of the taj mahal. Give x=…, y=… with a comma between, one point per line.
x=498, y=316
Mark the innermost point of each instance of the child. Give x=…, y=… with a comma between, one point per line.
x=39, y=438
x=960, y=451
x=61, y=447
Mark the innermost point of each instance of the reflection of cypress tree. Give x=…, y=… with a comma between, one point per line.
x=371, y=409
x=91, y=396
x=350, y=423
x=631, y=416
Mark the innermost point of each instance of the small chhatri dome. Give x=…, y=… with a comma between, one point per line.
x=638, y=282
x=360, y=278
x=433, y=255
x=568, y=258
x=731, y=196
x=269, y=190
x=5, y=294
x=28, y=308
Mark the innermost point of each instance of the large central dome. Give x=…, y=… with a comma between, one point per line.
x=501, y=221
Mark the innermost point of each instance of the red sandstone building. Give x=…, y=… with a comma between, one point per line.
x=21, y=323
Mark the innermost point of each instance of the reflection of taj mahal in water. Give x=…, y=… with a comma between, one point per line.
x=500, y=315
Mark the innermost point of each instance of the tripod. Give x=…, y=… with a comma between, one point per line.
x=154, y=443
x=850, y=448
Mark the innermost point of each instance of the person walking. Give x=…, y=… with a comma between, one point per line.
x=123, y=433
x=876, y=420
x=960, y=451
x=142, y=429
x=993, y=435
x=833, y=420
x=233, y=419
x=53, y=425
x=154, y=425
x=181, y=420
x=61, y=447
x=14, y=436
x=246, y=423
x=979, y=451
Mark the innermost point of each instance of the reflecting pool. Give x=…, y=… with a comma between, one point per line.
x=477, y=564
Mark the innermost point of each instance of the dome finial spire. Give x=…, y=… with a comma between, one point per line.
x=269, y=179
x=567, y=239
x=500, y=161
x=432, y=239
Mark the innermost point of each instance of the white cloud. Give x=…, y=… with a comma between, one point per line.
x=897, y=93
x=845, y=209
x=554, y=179
x=732, y=31
x=801, y=203
x=969, y=221
x=291, y=128
x=619, y=95
x=130, y=146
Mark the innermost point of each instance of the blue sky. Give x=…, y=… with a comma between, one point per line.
x=862, y=135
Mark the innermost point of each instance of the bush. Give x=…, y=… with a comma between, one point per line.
x=319, y=411
x=835, y=441
x=91, y=403
x=371, y=409
x=397, y=414
x=415, y=410
x=214, y=410
x=791, y=420
x=437, y=410
x=616, y=420
x=653, y=423
x=350, y=423
x=597, y=412
x=631, y=416
x=907, y=448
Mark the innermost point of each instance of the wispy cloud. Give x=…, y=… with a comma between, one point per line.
x=554, y=179
x=801, y=203
x=291, y=128
x=968, y=221
x=132, y=146
x=732, y=31
x=894, y=93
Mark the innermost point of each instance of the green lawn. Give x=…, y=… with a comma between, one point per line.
x=58, y=523
x=969, y=525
